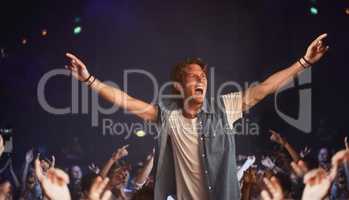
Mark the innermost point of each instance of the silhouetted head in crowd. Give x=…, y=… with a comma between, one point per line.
x=75, y=173
x=323, y=156
x=5, y=189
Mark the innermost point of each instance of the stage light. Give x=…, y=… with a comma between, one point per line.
x=347, y=11
x=140, y=133
x=44, y=32
x=77, y=30
x=314, y=10
x=24, y=41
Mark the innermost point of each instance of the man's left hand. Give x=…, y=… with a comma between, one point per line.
x=316, y=49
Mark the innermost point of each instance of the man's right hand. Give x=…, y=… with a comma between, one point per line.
x=77, y=68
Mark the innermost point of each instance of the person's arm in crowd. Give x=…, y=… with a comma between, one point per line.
x=299, y=167
x=258, y=92
x=249, y=179
x=318, y=181
x=346, y=164
x=54, y=183
x=268, y=163
x=274, y=188
x=14, y=176
x=143, y=174
x=145, y=111
x=97, y=190
x=2, y=146
x=28, y=159
x=276, y=137
x=120, y=153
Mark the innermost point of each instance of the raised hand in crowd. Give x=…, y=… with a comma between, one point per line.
x=249, y=179
x=274, y=189
x=318, y=181
x=54, y=183
x=29, y=156
x=300, y=168
x=119, y=154
x=97, y=190
x=2, y=146
x=304, y=152
x=276, y=137
x=143, y=174
x=94, y=168
x=317, y=184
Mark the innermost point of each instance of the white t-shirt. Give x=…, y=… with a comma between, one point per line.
x=184, y=135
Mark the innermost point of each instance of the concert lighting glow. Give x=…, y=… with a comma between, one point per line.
x=77, y=30
x=44, y=32
x=140, y=133
x=24, y=41
x=314, y=10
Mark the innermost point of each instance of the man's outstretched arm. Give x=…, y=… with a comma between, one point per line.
x=258, y=92
x=114, y=95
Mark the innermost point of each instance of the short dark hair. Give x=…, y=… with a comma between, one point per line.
x=178, y=70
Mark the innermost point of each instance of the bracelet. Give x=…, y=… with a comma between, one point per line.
x=90, y=83
x=299, y=61
x=88, y=78
x=306, y=61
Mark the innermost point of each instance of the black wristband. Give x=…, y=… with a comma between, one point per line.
x=305, y=60
x=89, y=85
x=88, y=78
x=299, y=61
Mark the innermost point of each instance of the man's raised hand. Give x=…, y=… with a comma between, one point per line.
x=316, y=49
x=77, y=68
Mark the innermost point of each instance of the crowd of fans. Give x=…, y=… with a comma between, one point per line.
x=275, y=178
x=41, y=180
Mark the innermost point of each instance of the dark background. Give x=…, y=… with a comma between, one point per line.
x=245, y=40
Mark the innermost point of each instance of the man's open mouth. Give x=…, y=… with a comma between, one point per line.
x=199, y=91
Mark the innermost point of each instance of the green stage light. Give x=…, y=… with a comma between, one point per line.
x=77, y=30
x=314, y=11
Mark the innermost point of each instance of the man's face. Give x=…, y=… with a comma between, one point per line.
x=323, y=156
x=194, y=84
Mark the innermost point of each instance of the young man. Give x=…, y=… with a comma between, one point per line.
x=196, y=146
